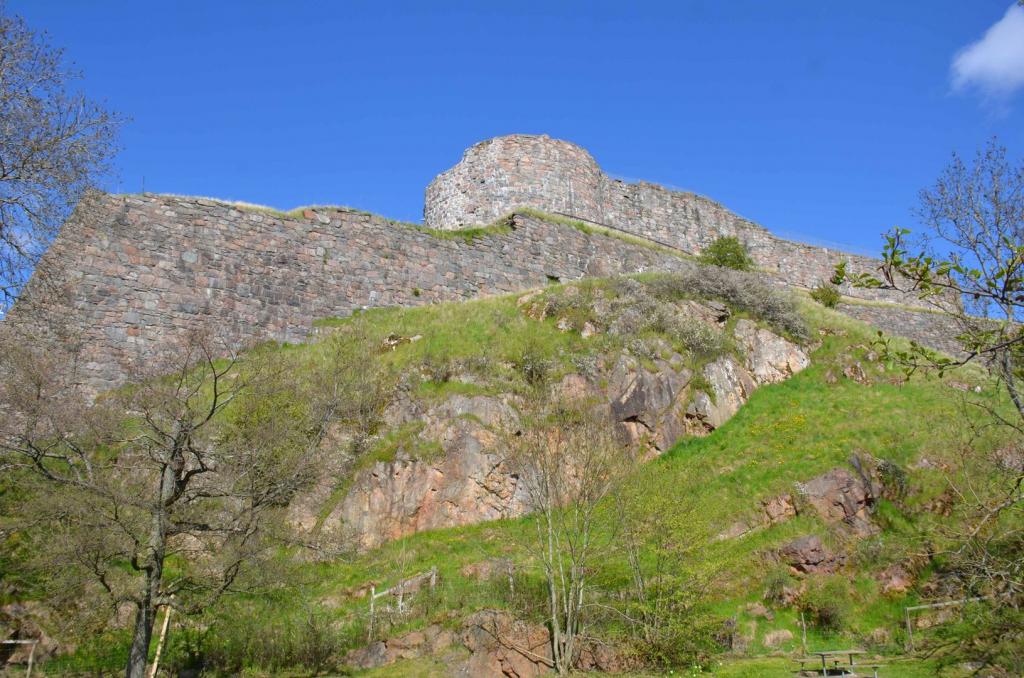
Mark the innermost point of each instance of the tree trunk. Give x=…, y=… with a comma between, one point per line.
x=145, y=615
x=1006, y=363
x=142, y=635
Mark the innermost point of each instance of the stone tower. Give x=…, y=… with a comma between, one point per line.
x=520, y=170
x=499, y=175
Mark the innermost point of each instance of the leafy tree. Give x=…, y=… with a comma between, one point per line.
x=568, y=461
x=969, y=264
x=54, y=145
x=662, y=534
x=166, y=492
x=728, y=252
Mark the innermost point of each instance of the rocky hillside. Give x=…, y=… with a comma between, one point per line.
x=658, y=365
x=788, y=475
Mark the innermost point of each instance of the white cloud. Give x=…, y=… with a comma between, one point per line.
x=993, y=65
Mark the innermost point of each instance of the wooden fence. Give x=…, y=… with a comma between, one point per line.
x=401, y=591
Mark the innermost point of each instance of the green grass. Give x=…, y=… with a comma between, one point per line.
x=787, y=433
x=782, y=667
x=501, y=226
x=489, y=335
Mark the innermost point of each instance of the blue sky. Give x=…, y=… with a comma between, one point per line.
x=820, y=120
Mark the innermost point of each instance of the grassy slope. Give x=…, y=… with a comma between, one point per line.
x=786, y=433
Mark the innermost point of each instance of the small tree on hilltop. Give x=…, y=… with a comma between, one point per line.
x=54, y=146
x=970, y=266
x=728, y=252
x=826, y=294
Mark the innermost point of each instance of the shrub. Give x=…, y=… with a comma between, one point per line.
x=743, y=291
x=728, y=252
x=574, y=303
x=535, y=366
x=683, y=638
x=776, y=586
x=639, y=308
x=826, y=603
x=826, y=294
x=232, y=644
x=699, y=338
x=894, y=479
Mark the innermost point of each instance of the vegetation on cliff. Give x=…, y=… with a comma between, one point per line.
x=695, y=522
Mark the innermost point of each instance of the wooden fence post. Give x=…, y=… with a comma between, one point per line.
x=910, y=630
x=373, y=596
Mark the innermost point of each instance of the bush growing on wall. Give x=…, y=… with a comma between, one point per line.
x=826, y=294
x=727, y=252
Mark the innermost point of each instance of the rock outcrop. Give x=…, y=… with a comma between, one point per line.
x=501, y=645
x=808, y=555
x=497, y=644
x=769, y=357
x=839, y=497
x=455, y=470
x=467, y=481
x=778, y=509
x=450, y=464
x=731, y=386
x=25, y=622
x=431, y=641
x=646, y=405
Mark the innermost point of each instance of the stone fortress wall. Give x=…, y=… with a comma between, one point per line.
x=145, y=270
x=141, y=271
x=498, y=175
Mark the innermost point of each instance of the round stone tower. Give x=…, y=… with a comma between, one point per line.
x=520, y=170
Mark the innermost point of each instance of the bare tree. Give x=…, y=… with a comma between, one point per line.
x=969, y=264
x=569, y=461
x=55, y=144
x=193, y=468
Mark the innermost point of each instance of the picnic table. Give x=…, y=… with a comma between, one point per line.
x=838, y=668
